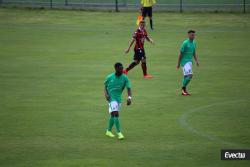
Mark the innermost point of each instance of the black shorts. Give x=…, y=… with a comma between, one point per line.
x=139, y=55
x=147, y=11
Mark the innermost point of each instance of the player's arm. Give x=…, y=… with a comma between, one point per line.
x=106, y=94
x=128, y=86
x=149, y=39
x=130, y=45
x=129, y=96
x=179, y=60
x=180, y=55
x=196, y=59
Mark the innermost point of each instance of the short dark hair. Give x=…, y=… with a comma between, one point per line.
x=191, y=31
x=118, y=64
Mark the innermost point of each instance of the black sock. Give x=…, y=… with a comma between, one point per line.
x=144, y=68
x=132, y=65
x=151, y=24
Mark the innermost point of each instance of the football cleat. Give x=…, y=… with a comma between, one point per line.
x=183, y=92
x=109, y=134
x=148, y=76
x=120, y=136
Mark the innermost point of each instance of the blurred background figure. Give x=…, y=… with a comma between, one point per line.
x=147, y=6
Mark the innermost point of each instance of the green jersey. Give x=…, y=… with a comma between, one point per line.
x=115, y=85
x=187, y=51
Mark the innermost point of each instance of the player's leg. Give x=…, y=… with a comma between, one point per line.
x=185, y=82
x=188, y=74
x=111, y=122
x=110, y=126
x=115, y=114
x=144, y=66
x=144, y=12
x=150, y=15
x=132, y=65
x=151, y=23
x=136, y=61
x=112, y=106
x=111, y=119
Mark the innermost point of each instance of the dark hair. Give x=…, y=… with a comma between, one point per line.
x=118, y=64
x=191, y=31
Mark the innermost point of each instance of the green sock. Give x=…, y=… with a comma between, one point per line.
x=185, y=81
x=111, y=123
x=117, y=124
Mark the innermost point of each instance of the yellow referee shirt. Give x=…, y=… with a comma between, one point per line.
x=148, y=3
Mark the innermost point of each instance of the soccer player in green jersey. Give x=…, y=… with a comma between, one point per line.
x=185, y=60
x=113, y=88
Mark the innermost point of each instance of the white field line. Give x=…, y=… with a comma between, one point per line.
x=183, y=122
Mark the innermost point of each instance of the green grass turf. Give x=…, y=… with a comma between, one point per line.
x=138, y=1
x=53, y=113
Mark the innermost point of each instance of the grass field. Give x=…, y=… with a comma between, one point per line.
x=138, y=1
x=53, y=113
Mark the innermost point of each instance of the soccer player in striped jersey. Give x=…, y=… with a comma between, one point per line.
x=139, y=53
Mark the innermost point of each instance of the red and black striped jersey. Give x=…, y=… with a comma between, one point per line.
x=140, y=36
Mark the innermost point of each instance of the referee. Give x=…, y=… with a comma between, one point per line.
x=147, y=10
